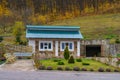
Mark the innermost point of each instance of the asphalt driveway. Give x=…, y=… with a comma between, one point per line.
x=57, y=75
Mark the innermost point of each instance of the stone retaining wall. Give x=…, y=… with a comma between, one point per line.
x=106, y=47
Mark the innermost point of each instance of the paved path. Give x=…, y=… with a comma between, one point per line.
x=19, y=65
x=57, y=75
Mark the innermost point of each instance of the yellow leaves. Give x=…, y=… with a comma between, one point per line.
x=38, y=19
x=7, y=12
x=41, y=19
x=4, y=11
x=68, y=15
x=18, y=28
x=1, y=10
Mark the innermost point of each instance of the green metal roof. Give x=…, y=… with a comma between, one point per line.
x=53, y=32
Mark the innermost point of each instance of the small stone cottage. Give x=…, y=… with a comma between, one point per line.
x=53, y=39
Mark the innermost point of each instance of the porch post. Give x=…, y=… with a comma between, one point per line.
x=56, y=48
x=78, y=48
x=32, y=43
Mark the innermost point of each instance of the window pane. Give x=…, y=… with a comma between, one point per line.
x=41, y=45
x=49, y=46
x=45, y=47
x=45, y=43
x=63, y=45
x=70, y=45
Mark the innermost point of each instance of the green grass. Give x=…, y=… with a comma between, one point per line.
x=101, y=26
x=93, y=64
x=118, y=55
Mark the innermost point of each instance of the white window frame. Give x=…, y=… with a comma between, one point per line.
x=44, y=46
x=68, y=45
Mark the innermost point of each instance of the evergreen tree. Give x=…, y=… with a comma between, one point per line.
x=71, y=60
x=66, y=53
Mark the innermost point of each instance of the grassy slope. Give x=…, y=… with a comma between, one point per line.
x=98, y=26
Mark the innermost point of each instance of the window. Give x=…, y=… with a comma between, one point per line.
x=70, y=45
x=45, y=46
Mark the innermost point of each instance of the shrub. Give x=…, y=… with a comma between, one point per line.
x=118, y=62
x=71, y=60
x=59, y=68
x=116, y=70
x=91, y=69
x=85, y=63
x=49, y=68
x=79, y=60
x=117, y=41
x=76, y=69
x=101, y=70
x=108, y=70
x=56, y=60
x=67, y=69
x=3, y=59
x=83, y=69
x=29, y=57
x=19, y=57
x=10, y=60
x=37, y=62
x=66, y=53
x=60, y=63
x=42, y=68
x=1, y=38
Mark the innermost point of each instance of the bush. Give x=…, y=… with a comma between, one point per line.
x=42, y=68
x=83, y=69
x=101, y=70
x=37, y=62
x=1, y=38
x=56, y=60
x=49, y=68
x=76, y=69
x=91, y=69
x=79, y=60
x=67, y=69
x=108, y=70
x=85, y=63
x=29, y=57
x=71, y=60
x=117, y=41
x=66, y=53
x=60, y=63
x=118, y=62
x=116, y=70
x=23, y=43
x=59, y=68
x=19, y=57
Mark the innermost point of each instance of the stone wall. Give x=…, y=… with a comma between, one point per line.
x=114, y=49
x=106, y=47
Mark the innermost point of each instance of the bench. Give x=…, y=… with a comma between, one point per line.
x=18, y=54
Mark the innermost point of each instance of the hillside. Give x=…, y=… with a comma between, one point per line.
x=65, y=12
x=98, y=26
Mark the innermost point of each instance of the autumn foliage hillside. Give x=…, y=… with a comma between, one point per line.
x=42, y=12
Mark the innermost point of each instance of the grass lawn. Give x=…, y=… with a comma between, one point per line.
x=93, y=64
